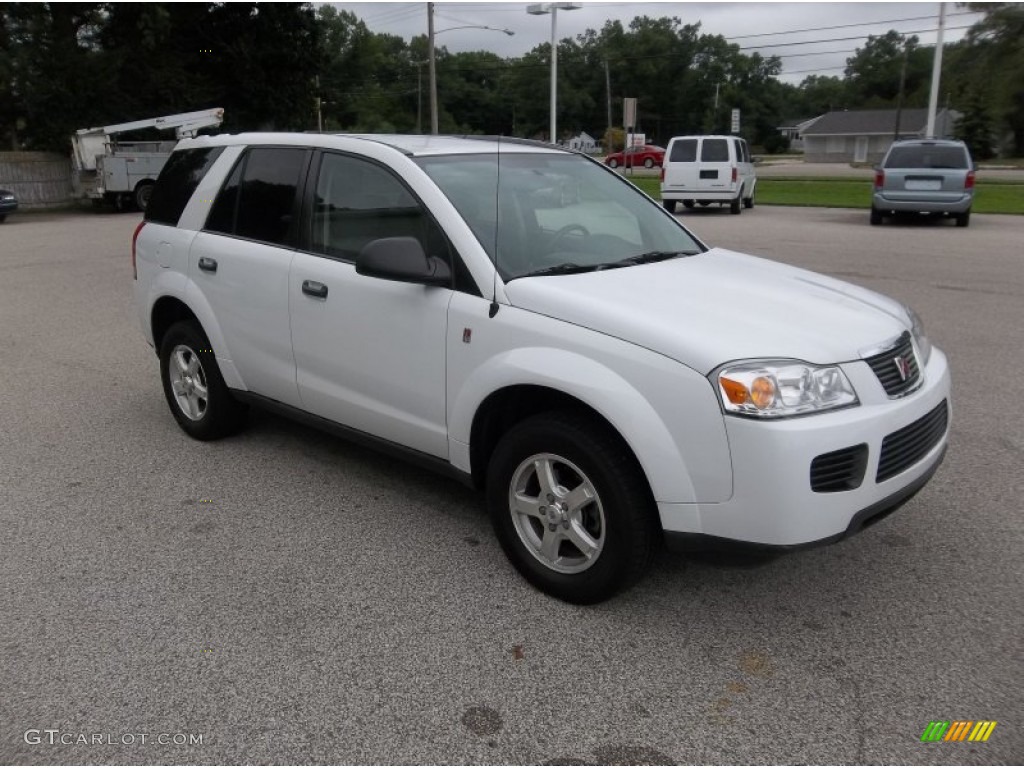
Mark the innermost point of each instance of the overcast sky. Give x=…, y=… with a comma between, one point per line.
x=804, y=53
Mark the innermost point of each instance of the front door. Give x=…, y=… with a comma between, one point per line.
x=369, y=353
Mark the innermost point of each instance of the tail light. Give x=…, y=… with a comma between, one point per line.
x=663, y=174
x=135, y=237
x=734, y=176
x=969, y=182
x=879, y=178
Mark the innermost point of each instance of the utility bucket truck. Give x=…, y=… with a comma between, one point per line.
x=124, y=172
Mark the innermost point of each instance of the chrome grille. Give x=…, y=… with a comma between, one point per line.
x=896, y=381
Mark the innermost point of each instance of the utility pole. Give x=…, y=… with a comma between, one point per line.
x=608, y=92
x=899, y=99
x=319, y=111
x=933, y=98
x=433, y=70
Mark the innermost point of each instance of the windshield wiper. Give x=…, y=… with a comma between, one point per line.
x=566, y=268
x=650, y=257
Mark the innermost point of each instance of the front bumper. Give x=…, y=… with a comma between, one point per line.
x=922, y=205
x=773, y=504
x=8, y=207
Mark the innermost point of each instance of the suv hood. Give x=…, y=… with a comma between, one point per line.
x=718, y=306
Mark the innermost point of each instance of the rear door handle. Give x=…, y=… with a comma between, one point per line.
x=207, y=264
x=314, y=289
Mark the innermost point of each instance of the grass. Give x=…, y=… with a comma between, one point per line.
x=989, y=197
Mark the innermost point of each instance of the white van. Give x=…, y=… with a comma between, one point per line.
x=708, y=169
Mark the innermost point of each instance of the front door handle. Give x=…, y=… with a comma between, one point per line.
x=207, y=264
x=314, y=289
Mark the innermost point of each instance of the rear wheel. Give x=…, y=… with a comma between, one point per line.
x=193, y=385
x=689, y=203
x=648, y=163
x=142, y=193
x=963, y=219
x=570, y=507
x=736, y=206
x=705, y=203
x=876, y=216
x=670, y=205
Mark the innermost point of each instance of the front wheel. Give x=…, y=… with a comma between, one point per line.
x=648, y=163
x=748, y=202
x=613, y=163
x=670, y=205
x=736, y=206
x=570, y=507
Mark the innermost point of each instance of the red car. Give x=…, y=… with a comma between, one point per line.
x=649, y=155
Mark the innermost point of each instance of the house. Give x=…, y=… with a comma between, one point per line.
x=794, y=131
x=864, y=136
x=582, y=143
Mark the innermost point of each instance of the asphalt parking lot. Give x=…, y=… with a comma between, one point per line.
x=291, y=598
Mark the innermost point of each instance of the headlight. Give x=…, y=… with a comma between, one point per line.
x=924, y=346
x=6, y=198
x=774, y=389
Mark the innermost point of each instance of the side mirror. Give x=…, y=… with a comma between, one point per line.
x=402, y=259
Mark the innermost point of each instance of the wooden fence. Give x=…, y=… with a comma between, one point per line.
x=37, y=179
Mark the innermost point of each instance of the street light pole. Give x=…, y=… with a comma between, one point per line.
x=431, y=34
x=432, y=69
x=541, y=10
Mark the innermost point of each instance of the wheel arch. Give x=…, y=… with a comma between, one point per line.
x=169, y=309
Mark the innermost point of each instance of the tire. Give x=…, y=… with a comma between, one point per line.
x=189, y=367
x=736, y=206
x=876, y=216
x=615, y=524
x=3, y=218
x=688, y=203
x=748, y=202
x=670, y=205
x=963, y=219
x=648, y=163
x=705, y=203
x=142, y=193
x=613, y=163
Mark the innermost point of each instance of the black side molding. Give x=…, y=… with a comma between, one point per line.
x=425, y=460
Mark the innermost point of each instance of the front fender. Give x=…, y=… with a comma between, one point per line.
x=594, y=384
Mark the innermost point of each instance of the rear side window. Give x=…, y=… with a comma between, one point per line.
x=258, y=200
x=925, y=156
x=684, y=151
x=179, y=178
x=714, y=151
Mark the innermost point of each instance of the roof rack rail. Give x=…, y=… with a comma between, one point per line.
x=513, y=140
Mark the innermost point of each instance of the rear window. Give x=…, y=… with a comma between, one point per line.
x=684, y=151
x=927, y=156
x=714, y=151
x=179, y=178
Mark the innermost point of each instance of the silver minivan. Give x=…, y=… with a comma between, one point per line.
x=925, y=176
x=708, y=169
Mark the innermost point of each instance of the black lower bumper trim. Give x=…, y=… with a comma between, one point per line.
x=700, y=542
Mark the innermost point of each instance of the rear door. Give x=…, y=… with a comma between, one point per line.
x=681, y=164
x=715, y=171
x=240, y=262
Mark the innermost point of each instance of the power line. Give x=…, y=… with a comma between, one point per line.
x=845, y=26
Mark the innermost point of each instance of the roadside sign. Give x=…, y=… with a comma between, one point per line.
x=735, y=121
x=638, y=139
x=628, y=113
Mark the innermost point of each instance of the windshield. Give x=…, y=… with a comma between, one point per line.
x=555, y=213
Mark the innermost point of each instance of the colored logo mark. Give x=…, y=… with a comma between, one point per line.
x=958, y=730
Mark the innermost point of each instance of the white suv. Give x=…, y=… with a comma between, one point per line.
x=521, y=317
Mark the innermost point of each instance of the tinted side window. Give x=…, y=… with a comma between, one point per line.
x=179, y=178
x=714, y=151
x=744, y=153
x=225, y=208
x=258, y=200
x=358, y=201
x=684, y=151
